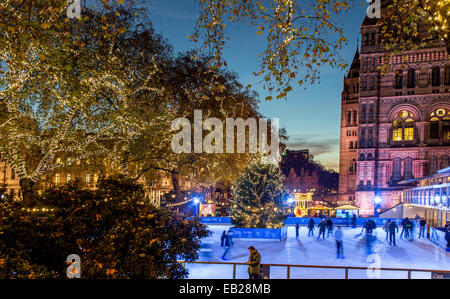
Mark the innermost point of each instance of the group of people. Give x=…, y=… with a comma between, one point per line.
x=391, y=228
x=326, y=224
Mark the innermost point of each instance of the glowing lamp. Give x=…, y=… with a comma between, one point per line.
x=377, y=199
x=196, y=200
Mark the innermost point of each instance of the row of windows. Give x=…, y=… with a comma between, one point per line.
x=366, y=138
x=352, y=116
x=367, y=113
x=351, y=88
x=411, y=77
x=403, y=127
x=351, y=133
x=434, y=166
x=87, y=178
x=428, y=197
x=417, y=57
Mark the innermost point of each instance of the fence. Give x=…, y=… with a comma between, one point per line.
x=347, y=271
x=304, y=221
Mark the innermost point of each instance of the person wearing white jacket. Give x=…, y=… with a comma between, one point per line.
x=339, y=237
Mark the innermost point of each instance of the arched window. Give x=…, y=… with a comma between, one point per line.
x=433, y=164
x=411, y=78
x=436, y=76
x=440, y=124
x=396, y=169
x=399, y=79
x=447, y=75
x=445, y=161
x=397, y=131
x=353, y=165
x=403, y=126
x=434, y=128
x=409, y=129
x=369, y=156
x=408, y=173
x=361, y=157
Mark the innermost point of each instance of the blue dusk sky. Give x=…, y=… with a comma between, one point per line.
x=311, y=116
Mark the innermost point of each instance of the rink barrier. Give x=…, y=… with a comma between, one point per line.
x=433, y=273
x=278, y=234
x=304, y=221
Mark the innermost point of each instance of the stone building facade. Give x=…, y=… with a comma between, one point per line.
x=402, y=123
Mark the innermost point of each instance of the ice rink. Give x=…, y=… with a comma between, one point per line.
x=358, y=252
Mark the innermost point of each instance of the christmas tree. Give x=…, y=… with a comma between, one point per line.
x=260, y=198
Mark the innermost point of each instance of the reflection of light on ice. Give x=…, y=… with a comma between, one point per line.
x=419, y=254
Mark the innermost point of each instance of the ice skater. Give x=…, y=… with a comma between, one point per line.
x=370, y=226
x=404, y=228
x=353, y=221
x=423, y=225
x=297, y=227
x=386, y=228
x=363, y=227
x=329, y=227
x=392, y=230
x=447, y=238
x=322, y=228
x=222, y=238
x=227, y=245
x=230, y=238
x=311, y=227
x=339, y=237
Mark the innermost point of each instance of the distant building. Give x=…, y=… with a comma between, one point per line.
x=394, y=126
x=9, y=180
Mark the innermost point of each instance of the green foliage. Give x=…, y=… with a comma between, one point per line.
x=259, y=197
x=114, y=230
x=301, y=37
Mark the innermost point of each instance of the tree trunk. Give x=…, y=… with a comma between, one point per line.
x=176, y=187
x=26, y=186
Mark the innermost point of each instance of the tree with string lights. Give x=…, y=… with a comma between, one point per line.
x=259, y=197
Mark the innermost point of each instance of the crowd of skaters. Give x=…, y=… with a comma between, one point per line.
x=326, y=227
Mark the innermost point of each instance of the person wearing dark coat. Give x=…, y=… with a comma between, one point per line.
x=423, y=224
x=353, y=221
x=297, y=227
x=311, y=227
x=329, y=227
x=222, y=238
x=369, y=226
x=392, y=229
x=404, y=228
x=447, y=237
x=322, y=228
x=227, y=244
x=254, y=263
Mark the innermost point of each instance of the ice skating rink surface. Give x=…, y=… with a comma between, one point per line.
x=358, y=252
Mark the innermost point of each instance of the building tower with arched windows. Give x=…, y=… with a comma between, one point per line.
x=401, y=130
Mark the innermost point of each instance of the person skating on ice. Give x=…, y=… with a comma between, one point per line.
x=311, y=227
x=322, y=228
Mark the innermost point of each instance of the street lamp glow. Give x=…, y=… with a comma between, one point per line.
x=377, y=200
x=196, y=200
x=290, y=199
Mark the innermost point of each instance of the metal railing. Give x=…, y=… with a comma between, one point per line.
x=346, y=268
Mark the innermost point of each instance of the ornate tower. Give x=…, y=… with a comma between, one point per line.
x=349, y=133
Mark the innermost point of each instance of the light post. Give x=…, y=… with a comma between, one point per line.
x=196, y=202
x=377, y=203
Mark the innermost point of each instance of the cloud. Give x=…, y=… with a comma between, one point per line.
x=324, y=149
x=317, y=145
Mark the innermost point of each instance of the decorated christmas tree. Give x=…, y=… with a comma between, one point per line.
x=260, y=198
